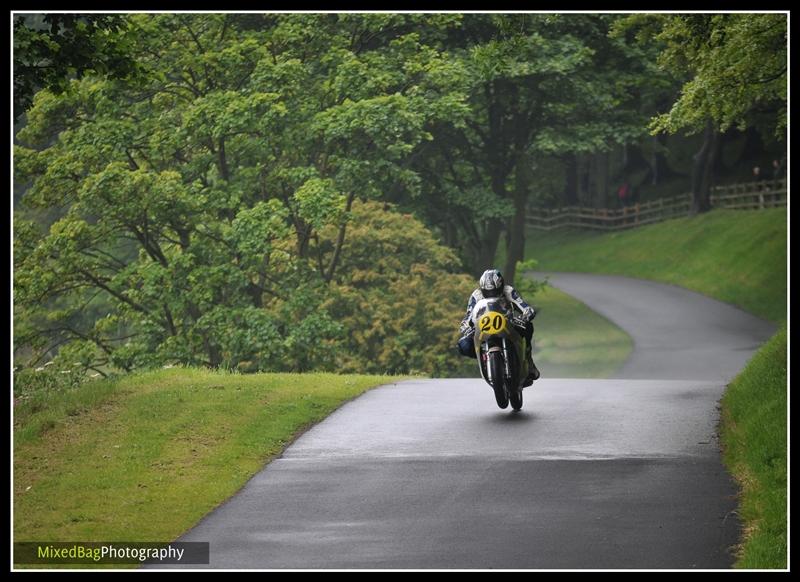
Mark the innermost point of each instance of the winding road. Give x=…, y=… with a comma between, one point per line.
x=613, y=473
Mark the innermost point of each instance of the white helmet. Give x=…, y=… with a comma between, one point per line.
x=491, y=283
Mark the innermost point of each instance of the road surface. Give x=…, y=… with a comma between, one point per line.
x=614, y=473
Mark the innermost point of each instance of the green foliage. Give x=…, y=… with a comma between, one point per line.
x=203, y=207
x=50, y=48
x=254, y=229
x=320, y=203
x=398, y=294
x=528, y=286
x=206, y=210
x=539, y=86
x=736, y=66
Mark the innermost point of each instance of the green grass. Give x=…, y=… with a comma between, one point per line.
x=754, y=428
x=572, y=341
x=143, y=458
x=738, y=257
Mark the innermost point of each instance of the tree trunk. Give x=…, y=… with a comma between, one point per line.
x=601, y=180
x=655, y=161
x=570, y=197
x=703, y=170
x=214, y=353
x=222, y=160
x=303, y=232
x=516, y=227
x=486, y=255
x=337, y=251
x=583, y=172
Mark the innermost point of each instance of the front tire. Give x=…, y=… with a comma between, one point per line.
x=495, y=365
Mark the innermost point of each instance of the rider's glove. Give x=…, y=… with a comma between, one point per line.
x=528, y=314
x=465, y=328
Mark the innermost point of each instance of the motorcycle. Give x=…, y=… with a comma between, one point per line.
x=500, y=349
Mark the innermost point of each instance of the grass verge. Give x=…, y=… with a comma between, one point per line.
x=572, y=341
x=145, y=457
x=754, y=429
x=738, y=257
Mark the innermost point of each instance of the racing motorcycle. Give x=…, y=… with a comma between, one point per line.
x=500, y=349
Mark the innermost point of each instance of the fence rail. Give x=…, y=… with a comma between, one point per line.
x=749, y=196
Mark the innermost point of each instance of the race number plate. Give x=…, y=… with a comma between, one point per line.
x=492, y=323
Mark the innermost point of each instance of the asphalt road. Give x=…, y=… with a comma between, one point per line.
x=614, y=473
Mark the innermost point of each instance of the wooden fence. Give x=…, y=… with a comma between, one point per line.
x=750, y=196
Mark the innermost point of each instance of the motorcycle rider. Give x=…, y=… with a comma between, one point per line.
x=490, y=285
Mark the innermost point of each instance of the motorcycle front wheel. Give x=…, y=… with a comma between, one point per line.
x=495, y=365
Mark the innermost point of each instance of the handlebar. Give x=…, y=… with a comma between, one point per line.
x=519, y=321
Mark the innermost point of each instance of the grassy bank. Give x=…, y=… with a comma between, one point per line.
x=572, y=341
x=145, y=457
x=738, y=257
x=754, y=441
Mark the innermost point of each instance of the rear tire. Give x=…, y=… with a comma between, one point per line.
x=495, y=365
x=516, y=399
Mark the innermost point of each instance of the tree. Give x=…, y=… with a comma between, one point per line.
x=735, y=68
x=541, y=85
x=194, y=198
x=399, y=294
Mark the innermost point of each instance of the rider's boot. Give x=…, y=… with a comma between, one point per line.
x=533, y=372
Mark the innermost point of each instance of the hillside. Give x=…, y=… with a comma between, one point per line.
x=739, y=257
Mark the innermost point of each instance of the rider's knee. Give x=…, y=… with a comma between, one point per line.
x=465, y=347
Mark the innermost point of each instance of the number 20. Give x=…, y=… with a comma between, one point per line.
x=491, y=324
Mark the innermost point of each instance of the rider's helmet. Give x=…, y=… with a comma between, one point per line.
x=491, y=283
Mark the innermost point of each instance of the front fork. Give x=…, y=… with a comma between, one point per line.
x=486, y=366
x=507, y=361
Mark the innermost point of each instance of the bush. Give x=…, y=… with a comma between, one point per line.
x=399, y=296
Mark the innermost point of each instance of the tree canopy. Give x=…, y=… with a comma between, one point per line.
x=735, y=66
x=192, y=199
